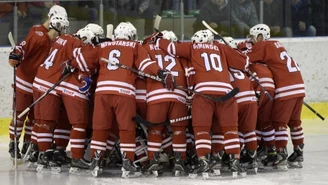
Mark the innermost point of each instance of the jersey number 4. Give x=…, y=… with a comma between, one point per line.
x=292, y=66
x=49, y=62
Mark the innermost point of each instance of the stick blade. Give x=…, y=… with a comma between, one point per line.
x=157, y=22
x=209, y=27
x=109, y=33
x=11, y=40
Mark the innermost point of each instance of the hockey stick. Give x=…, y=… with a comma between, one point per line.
x=249, y=72
x=157, y=22
x=315, y=112
x=142, y=121
x=216, y=99
x=109, y=31
x=12, y=43
x=64, y=76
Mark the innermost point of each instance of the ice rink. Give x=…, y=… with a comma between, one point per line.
x=315, y=170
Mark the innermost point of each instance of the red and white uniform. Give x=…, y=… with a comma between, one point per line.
x=65, y=48
x=163, y=104
x=210, y=62
x=289, y=90
x=247, y=108
x=116, y=90
x=32, y=50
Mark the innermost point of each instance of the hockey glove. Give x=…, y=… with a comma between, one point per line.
x=14, y=59
x=67, y=68
x=86, y=84
x=152, y=38
x=167, y=79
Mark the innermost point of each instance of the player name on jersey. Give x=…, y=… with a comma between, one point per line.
x=131, y=44
x=205, y=46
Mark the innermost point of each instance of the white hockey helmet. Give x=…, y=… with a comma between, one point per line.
x=262, y=29
x=96, y=29
x=125, y=30
x=85, y=35
x=170, y=35
x=57, y=10
x=202, y=36
x=59, y=23
x=232, y=43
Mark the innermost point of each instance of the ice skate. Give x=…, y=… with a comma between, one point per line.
x=281, y=160
x=236, y=168
x=96, y=167
x=178, y=165
x=203, y=167
x=33, y=156
x=78, y=166
x=59, y=161
x=154, y=165
x=267, y=163
x=191, y=160
x=12, y=150
x=217, y=163
x=249, y=161
x=25, y=146
x=296, y=159
x=225, y=163
x=262, y=152
x=43, y=160
x=129, y=169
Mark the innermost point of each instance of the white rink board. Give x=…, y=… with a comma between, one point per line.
x=310, y=53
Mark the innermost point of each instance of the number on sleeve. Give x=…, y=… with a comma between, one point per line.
x=49, y=62
x=113, y=56
x=171, y=64
x=290, y=66
x=212, y=62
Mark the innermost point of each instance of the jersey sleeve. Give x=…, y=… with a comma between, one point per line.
x=236, y=59
x=257, y=53
x=87, y=61
x=144, y=63
x=175, y=49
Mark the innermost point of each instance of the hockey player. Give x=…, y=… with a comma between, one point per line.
x=65, y=48
x=265, y=131
x=163, y=104
x=115, y=92
x=210, y=60
x=30, y=53
x=289, y=95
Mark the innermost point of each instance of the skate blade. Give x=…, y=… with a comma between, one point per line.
x=283, y=168
x=216, y=172
x=192, y=175
x=96, y=172
x=19, y=161
x=78, y=171
x=205, y=175
x=55, y=170
x=295, y=165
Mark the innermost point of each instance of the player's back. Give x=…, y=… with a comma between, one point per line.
x=246, y=92
x=212, y=75
x=113, y=79
x=286, y=72
x=63, y=50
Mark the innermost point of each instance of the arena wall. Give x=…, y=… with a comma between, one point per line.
x=310, y=53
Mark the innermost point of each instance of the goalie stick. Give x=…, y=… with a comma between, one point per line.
x=142, y=121
x=248, y=71
x=12, y=43
x=223, y=98
x=256, y=80
x=64, y=76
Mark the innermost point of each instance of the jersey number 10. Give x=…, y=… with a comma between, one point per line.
x=212, y=61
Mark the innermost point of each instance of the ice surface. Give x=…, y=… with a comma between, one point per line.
x=315, y=170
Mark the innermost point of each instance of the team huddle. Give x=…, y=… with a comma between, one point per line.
x=232, y=102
